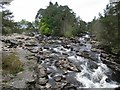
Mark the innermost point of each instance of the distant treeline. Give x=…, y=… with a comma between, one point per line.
x=58, y=20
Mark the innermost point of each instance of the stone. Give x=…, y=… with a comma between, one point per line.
x=31, y=83
x=69, y=87
x=6, y=78
x=85, y=54
x=42, y=72
x=42, y=81
x=31, y=58
x=95, y=50
x=66, y=66
x=30, y=43
x=46, y=47
x=48, y=85
x=58, y=78
x=92, y=65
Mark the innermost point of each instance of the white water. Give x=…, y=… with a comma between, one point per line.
x=89, y=78
x=95, y=78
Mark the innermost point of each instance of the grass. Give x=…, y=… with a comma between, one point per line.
x=11, y=64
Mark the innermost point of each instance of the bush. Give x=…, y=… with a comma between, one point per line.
x=12, y=64
x=68, y=34
x=44, y=29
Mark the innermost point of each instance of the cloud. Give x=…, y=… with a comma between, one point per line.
x=86, y=9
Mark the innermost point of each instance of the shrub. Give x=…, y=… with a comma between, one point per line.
x=68, y=34
x=12, y=64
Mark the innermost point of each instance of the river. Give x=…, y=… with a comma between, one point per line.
x=69, y=62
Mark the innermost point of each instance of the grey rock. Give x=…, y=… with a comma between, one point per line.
x=42, y=81
x=65, y=65
x=58, y=78
x=42, y=72
x=48, y=85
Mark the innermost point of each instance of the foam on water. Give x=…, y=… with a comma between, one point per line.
x=96, y=78
x=61, y=49
x=93, y=78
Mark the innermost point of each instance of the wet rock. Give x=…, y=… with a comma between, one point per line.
x=58, y=78
x=89, y=55
x=46, y=47
x=118, y=88
x=115, y=67
x=96, y=50
x=66, y=66
x=85, y=54
x=107, y=80
x=66, y=46
x=69, y=87
x=92, y=64
x=65, y=54
x=110, y=61
x=104, y=55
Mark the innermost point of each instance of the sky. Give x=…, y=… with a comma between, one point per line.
x=86, y=9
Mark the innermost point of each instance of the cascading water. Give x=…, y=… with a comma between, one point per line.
x=94, y=74
x=93, y=78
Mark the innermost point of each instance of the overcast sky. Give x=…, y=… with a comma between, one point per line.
x=86, y=9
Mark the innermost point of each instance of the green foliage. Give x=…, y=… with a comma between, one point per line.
x=9, y=26
x=25, y=26
x=58, y=21
x=7, y=22
x=44, y=29
x=106, y=28
x=12, y=64
x=68, y=34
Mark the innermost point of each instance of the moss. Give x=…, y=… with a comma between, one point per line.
x=11, y=64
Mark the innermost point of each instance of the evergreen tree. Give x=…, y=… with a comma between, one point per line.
x=106, y=28
x=7, y=22
x=59, y=21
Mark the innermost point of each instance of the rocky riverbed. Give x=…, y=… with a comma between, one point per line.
x=62, y=63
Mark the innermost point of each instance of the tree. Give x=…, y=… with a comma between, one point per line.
x=60, y=20
x=106, y=28
x=26, y=26
x=7, y=22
